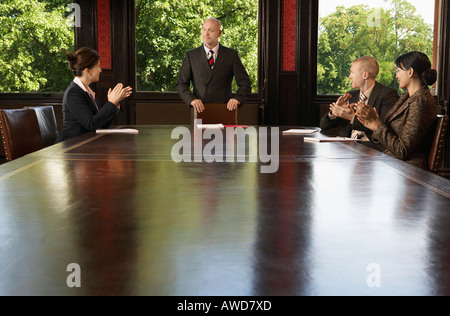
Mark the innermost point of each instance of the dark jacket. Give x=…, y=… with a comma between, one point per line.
x=80, y=114
x=213, y=86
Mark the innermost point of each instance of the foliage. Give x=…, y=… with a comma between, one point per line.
x=166, y=30
x=34, y=37
x=353, y=32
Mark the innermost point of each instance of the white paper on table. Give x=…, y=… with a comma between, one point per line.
x=205, y=126
x=331, y=140
x=300, y=132
x=118, y=131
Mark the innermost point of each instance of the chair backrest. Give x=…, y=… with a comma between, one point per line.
x=216, y=113
x=20, y=133
x=437, y=147
x=47, y=123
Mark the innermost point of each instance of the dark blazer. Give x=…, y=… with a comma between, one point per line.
x=407, y=131
x=212, y=86
x=382, y=99
x=81, y=115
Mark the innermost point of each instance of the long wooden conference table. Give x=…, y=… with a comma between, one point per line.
x=114, y=214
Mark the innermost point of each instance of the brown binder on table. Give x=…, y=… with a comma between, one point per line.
x=216, y=113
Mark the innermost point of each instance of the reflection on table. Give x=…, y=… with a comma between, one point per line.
x=138, y=223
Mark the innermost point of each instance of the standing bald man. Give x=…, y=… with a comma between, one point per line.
x=211, y=69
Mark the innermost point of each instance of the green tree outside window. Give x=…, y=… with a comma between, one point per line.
x=166, y=30
x=34, y=38
x=349, y=33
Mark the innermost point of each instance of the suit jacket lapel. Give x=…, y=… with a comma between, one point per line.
x=222, y=55
x=203, y=58
x=374, y=95
x=355, y=96
x=91, y=103
x=396, y=112
x=205, y=69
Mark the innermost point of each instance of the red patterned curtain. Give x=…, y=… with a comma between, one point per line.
x=289, y=34
x=104, y=33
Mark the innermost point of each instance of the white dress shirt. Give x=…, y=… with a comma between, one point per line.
x=88, y=90
x=215, y=50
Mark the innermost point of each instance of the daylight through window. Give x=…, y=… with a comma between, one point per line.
x=166, y=30
x=383, y=29
x=35, y=36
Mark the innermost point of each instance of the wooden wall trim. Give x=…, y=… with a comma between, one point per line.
x=271, y=42
x=444, y=54
x=444, y=74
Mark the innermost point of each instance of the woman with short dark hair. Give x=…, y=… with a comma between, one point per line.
x=81, y=110
x=407, y=131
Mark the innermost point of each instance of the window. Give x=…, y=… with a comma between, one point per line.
x=384, y=29
x=166, y=30
x=34, y=38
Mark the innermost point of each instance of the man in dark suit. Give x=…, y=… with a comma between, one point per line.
x=363, y=75
x=211, y=69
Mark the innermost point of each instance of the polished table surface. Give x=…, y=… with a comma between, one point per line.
x=335, y=219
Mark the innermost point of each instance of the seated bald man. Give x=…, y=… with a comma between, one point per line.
x=363, y=74
x=211, y=69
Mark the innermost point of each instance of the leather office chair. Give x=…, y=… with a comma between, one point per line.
x=20, y=133
x=216, y=113
x=438, y=144
x=2, y=151
x=47, y=124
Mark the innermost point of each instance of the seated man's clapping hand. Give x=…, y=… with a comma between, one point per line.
x=342, y=109
x=343, y=100
x=368, y=116
x=346, y=111
x=118, y=94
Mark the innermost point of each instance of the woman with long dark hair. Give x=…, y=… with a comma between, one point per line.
x=407, y=131
x=81, y=110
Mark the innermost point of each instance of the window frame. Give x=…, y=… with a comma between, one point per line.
x=437, y=55
x=30, y=98
x=269, y=71
x=170, y=97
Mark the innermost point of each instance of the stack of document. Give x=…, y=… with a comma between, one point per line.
x=331, y=140
x=300, y=132
x=205, y=126
x=118, y=131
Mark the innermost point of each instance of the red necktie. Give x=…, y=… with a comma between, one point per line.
x=362, y=98
x=359, y=134
x=211, y=59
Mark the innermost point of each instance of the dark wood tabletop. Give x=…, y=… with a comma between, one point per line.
x=334, y=219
